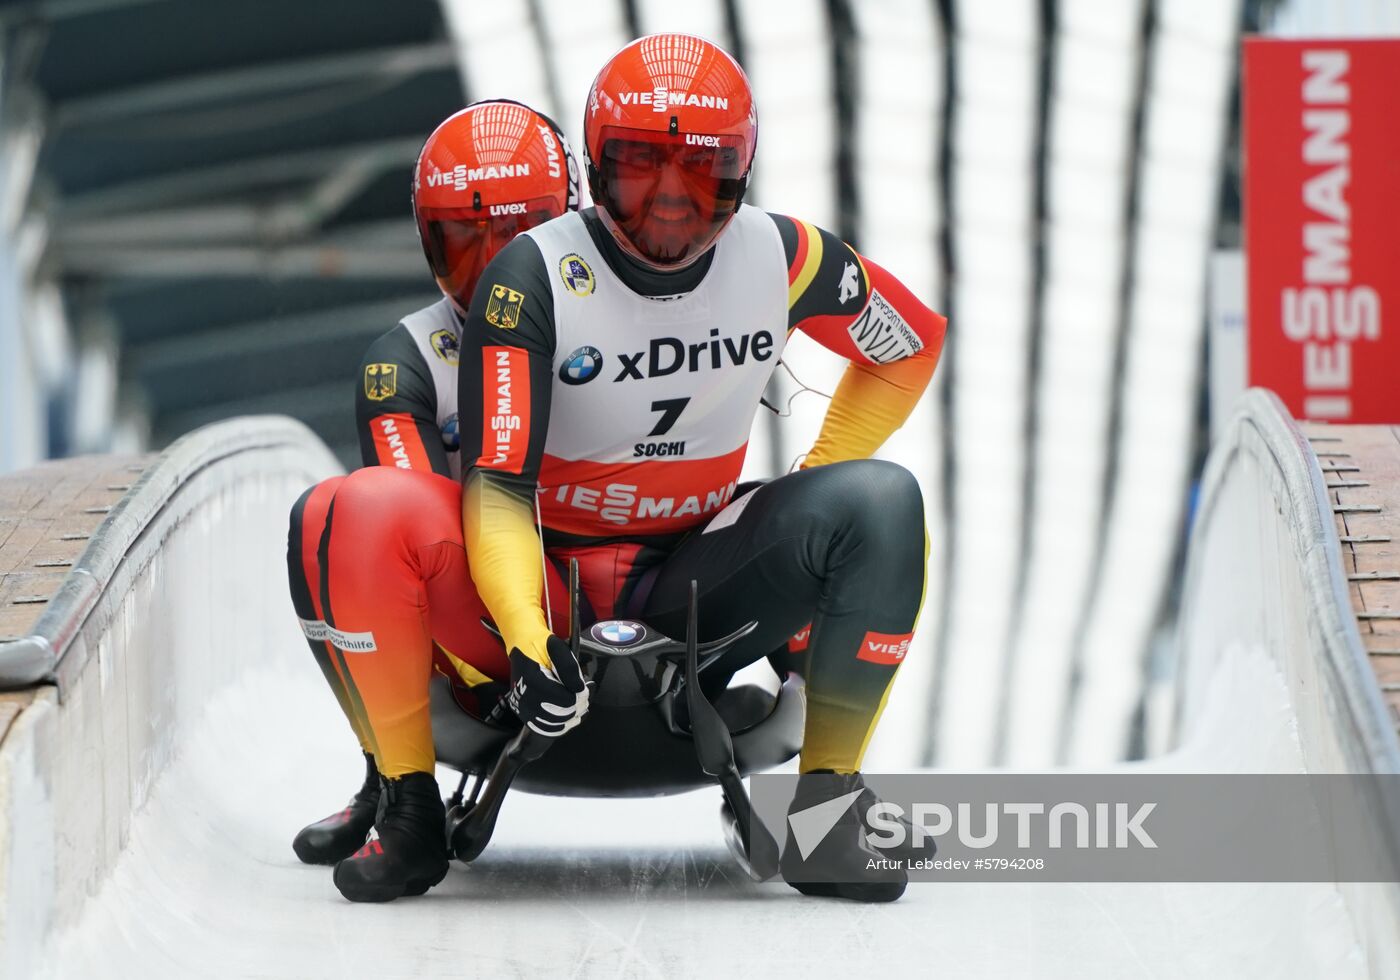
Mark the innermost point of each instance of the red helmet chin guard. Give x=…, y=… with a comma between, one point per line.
x=669, y=136
x=486, y=174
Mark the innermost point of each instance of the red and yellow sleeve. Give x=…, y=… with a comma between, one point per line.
x=503, y=397
x=870, y=403
x=859, y=310
x=503, y=551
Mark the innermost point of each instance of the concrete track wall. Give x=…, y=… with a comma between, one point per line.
x=1265, y=574
x=180, y=591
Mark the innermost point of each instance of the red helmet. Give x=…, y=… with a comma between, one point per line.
x=669, y=135
x=486, y=174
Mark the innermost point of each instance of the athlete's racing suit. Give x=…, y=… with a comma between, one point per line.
x=405, y=417
x=406, y=395
x=613, y=405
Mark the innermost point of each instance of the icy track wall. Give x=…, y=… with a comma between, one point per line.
x=1264, y=573
x=181, y=590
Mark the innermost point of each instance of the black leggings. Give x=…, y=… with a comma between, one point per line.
x=839, y=547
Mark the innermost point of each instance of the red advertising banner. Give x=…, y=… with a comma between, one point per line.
x=1322, y=225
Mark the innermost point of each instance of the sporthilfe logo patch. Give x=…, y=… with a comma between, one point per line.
x=319, y=631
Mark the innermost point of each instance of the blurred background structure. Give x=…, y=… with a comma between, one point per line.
x=205, y=210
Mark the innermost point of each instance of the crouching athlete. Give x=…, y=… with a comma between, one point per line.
x=516, y=171
x=611, y=364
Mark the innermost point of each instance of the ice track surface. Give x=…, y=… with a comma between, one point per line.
x=148, y=800
x=208, y=885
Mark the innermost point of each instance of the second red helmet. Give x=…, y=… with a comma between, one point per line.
x=669, y=136
x=486, y=174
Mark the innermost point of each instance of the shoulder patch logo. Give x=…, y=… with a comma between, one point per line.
x=848, y=283
x=381, y=381
x=577, y=276
x=881, y=334
x=445, y=345
x=503, y=307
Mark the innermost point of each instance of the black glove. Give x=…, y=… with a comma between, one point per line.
x=550, y=701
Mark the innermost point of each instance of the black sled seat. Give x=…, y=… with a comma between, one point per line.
x=651, y=729
x=636, y=750
x=635, y=740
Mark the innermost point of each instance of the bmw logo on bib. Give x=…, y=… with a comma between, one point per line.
x=617, y=632
x=582, y=366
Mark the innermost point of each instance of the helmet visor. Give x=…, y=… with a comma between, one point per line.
x=460, y=242
x=669, y=196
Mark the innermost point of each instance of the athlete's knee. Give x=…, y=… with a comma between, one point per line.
x=399, y=502
x=890, y=483
x=305, y=524
x=295, y=524
x=308, y=518
x=296, y=565
x=873, y=495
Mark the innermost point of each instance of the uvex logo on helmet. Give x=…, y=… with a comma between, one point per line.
x=669, y=136
x=486, y=174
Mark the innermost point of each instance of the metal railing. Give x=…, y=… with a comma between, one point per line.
x=1300, y=491
x=126, y=541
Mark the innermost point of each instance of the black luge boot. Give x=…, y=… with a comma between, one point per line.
x=341, y=834
x=410, y=854
x=839, y=863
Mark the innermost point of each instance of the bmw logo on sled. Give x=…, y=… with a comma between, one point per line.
x=617, y=632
